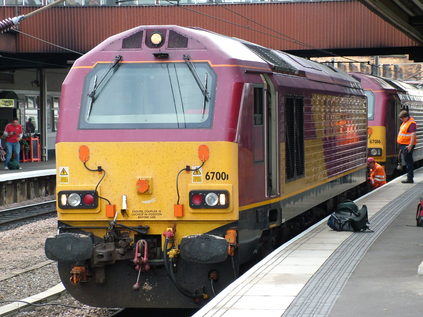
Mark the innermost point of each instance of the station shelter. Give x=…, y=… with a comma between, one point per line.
x=32, y=94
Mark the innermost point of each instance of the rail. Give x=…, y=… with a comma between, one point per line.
x=27, y=212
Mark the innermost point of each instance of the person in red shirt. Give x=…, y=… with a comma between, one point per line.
x=377, y=176
x=13, y=134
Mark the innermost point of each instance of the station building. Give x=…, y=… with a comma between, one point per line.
x=36, y=55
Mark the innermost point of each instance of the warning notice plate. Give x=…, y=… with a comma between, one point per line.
x=64, y=175
x=197, y=175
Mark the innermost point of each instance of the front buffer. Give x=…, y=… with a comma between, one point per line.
x=185, y=280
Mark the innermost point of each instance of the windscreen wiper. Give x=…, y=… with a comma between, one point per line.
x=113, y=66
x=91, y=100
x=206, y=80
x=194, y=73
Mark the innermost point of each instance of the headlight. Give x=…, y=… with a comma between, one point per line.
x=156, y=38
x=74, y=200
x=375, y=152
x=212, y=199
x=77, y=199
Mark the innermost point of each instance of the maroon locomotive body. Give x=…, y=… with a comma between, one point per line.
x=386, y=98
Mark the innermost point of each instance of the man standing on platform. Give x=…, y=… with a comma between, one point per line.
x=407, y=140
x=29, y=127
x=13, y=134
x=377, y=176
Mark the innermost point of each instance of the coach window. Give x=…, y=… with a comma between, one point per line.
x=294, y=137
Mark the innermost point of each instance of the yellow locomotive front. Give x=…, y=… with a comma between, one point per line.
x=125, y=206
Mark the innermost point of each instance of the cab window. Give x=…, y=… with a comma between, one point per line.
x=144, y=95
x=370, y=105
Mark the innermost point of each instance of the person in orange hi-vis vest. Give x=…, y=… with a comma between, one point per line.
x=377, y=176
x=407, y=140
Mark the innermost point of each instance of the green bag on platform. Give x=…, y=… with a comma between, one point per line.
x=347, y=217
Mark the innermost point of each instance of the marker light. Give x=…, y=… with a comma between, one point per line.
x=222, y=199
x=63, y=199
x=88, y=199
x=74, y=199
x=211, y=199
x=197, y=199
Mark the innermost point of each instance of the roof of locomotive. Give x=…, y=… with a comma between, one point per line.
x=371, y=82
x=220, y=49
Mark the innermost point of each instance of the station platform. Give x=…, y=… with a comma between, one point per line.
x=33, y=169
x=322, y=272
x=36, y=180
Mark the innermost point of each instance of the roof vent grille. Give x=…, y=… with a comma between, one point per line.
x=277, y=63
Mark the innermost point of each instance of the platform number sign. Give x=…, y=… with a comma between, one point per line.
x=64, y=175
x=197, y=174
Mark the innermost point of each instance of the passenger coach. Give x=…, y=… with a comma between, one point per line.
x=182, y=152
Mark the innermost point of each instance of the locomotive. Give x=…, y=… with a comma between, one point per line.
x=386, y=98
x=181, y=153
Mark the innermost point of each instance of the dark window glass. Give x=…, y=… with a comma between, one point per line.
x=294, y=137
x=370, y=104
x=177, y=40
x=133, y=41
x=258, y=106
x=156, y=95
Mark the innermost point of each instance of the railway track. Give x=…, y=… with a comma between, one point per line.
x=27, y=212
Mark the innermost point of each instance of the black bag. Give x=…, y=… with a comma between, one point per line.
x=339, y=223
x=347, y=217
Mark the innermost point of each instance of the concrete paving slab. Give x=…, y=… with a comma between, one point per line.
x=253, y=313
x=386, y=283
x=263, y=303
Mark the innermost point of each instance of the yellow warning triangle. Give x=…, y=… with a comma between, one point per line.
x=63, y=172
